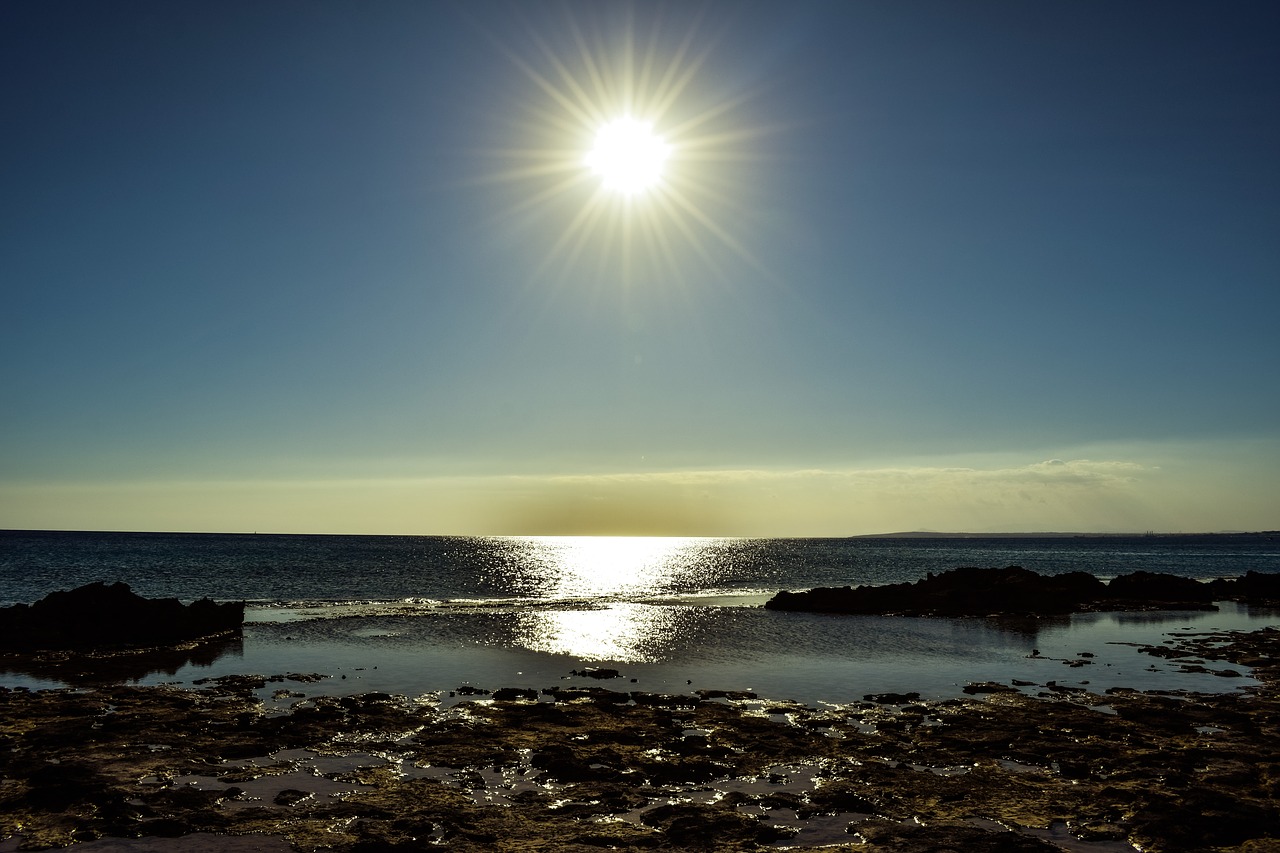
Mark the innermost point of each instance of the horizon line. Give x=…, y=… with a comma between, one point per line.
x=906, y=534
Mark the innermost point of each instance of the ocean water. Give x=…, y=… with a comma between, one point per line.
x=425, y=615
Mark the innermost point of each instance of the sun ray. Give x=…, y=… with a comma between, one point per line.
x=594, y=73
x=649, y=61
x=667, y=90
x=709, y=114
x=677, y=217
x=587, y=105
x=711, y=225
x=586, y=219
x=628, y=66
x=552, y=91
x=542, y=197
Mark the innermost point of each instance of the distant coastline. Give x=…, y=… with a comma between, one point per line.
x=906, y=534
x=930, y=534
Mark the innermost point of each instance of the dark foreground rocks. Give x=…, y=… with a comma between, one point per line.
x=1015, y=590
x=593, y=768
x=99, y=615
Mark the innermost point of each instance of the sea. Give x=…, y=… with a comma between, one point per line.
x=434, y=617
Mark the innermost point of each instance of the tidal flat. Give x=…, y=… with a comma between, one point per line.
x=1006, y=767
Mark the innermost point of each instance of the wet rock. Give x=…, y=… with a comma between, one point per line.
x=60, y=786
x=666, y=700
x=840, y=796
x=885, y=837
x=1198, y=819
x=291, y=797
x=565, y=765
x=235, y=683
x=736, y=695
x=891, y=698
x=974, y=689
x=706, y=827
x=165, y=827
x=506, y=694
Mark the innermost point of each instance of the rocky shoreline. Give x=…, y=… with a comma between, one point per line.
x=1008, y=768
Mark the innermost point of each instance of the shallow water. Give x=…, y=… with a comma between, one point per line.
x=417, y=615
x=809, y=658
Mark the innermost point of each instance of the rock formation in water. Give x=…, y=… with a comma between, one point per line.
x=1015, y=590
x=98, y=616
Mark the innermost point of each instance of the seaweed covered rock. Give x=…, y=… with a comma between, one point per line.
x=100, y=615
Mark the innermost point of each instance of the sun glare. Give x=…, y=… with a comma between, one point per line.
x=620, y=110
x=628, y=156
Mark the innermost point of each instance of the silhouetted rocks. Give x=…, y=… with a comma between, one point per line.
x=892, y=698
x=960, y=592
x=982, y=687
x=98, y=616
x=1015, y=591
x=1142, y=589
x=1251, y=588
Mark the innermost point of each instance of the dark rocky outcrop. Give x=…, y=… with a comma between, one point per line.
x=100, y=616
x=1015, y=590
x=960, y=592
x=1251, y=587
x=1139, y=590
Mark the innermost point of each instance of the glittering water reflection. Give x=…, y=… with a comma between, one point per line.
x=600, y=570
x=613, y=567
x=619, y=633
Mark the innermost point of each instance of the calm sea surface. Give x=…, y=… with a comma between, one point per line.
x=418, y=615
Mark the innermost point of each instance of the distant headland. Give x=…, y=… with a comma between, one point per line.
x=935, y=534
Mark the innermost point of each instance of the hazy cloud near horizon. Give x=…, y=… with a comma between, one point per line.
x=1090, y=495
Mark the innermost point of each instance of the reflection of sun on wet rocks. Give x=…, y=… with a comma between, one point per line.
x=585, y=768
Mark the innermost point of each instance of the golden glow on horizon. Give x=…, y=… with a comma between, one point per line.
x=601, y=566
x=602, y=94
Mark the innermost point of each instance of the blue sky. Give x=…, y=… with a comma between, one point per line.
x=339, y=267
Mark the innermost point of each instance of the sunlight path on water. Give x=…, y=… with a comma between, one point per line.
x=611, y=566
x=602, y=569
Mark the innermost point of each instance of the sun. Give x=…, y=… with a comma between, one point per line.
x=626, y=151
x=628, y=156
